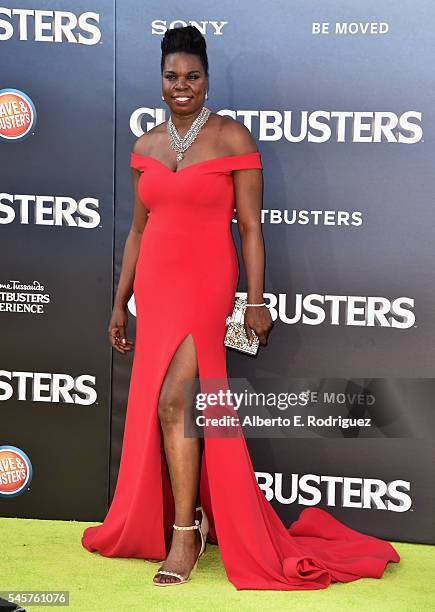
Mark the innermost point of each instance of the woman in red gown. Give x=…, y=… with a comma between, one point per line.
x=181, y=264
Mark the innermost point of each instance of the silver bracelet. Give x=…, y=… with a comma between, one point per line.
x=263, y=304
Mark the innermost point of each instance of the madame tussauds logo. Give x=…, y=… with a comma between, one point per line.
x=17, y=115
x=15, y=471
x=344, y=491
x=49, y=26
x=25, y=298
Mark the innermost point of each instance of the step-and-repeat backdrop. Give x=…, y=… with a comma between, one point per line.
x=339, y=98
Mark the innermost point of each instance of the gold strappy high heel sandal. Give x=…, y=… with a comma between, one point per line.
x=203, y=530
x=205, y=526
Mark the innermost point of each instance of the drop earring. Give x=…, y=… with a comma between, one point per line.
x=206, y=95
x=163, y=97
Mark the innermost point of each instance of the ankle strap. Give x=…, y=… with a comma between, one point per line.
x=190, y=527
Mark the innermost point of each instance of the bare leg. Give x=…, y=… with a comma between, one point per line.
x=183, y=456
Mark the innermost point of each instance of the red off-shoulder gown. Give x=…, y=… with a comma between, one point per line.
x=185, y=282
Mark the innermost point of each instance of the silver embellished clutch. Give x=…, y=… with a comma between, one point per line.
x=235, y=336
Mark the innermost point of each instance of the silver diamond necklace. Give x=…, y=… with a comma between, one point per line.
x=180, y=145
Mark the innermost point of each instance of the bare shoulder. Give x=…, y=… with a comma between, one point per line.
x=145, y=143
x=238, y=138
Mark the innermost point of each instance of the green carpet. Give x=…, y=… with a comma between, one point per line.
x=48, y=555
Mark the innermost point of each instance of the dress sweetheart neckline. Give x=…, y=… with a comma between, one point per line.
x=205, y=161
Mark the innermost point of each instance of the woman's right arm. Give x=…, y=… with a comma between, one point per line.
x=119, y=318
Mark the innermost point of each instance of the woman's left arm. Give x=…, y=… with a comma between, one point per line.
x=248, y=190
